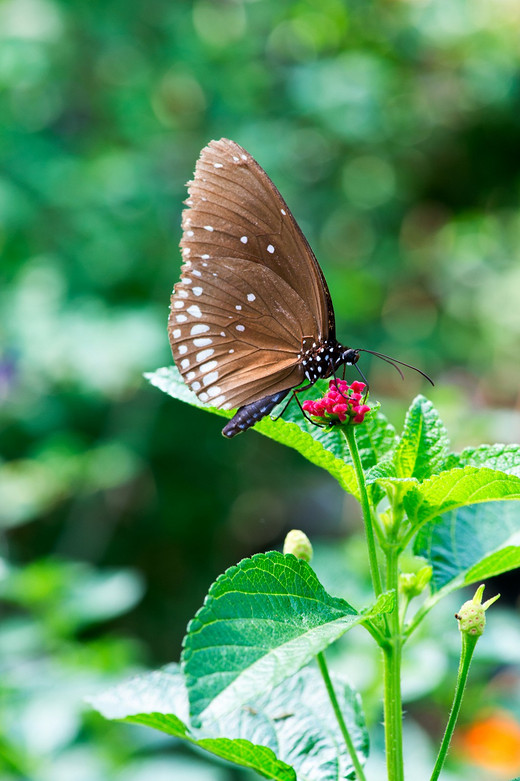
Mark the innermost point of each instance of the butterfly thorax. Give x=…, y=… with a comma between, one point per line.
x=323, y=359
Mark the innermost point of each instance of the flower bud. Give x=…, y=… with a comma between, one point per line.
x=297, y=543
x=472, y=615
x=413, y=583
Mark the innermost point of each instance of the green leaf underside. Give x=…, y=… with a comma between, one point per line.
x=456, y=488
x=423, y=446
x=297, y=721
x=289, y=729
x=326, y=448
x=262, y=620
x=160, y=700
x=159, y=692
x=471, y=543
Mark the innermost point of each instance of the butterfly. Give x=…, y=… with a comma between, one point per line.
x=251, y=317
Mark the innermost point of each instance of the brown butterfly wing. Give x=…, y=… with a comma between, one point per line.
x=250, y=290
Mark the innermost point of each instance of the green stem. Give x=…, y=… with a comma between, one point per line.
x=422, y=612
x=468, y=646
x=350, y=436
x=339, y=716
x=392, y=678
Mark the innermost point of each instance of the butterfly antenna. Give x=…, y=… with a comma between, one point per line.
x=393, y=362
x=367, y=388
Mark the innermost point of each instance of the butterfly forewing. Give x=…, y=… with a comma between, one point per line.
x=250, y=289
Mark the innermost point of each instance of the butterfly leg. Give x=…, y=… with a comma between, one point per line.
x=333, y=372
x=307, y=418
x=292, y=396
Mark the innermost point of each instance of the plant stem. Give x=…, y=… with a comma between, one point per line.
x=468, y=646
x=392, y=678
x=339, y=716
x=350, y=436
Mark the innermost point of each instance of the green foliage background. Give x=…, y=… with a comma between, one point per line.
x=392, y=130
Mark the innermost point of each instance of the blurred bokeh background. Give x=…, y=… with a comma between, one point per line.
x=393, y=131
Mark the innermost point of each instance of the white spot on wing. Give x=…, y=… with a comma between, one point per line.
x=243, y=239
x=183, y=349
x=195, y=385
x=205, y=257
x=176, y=333
x=202, y=341
x=178, y=304
x=182, y=293
x=199, y=328
x=214, y=391
x=185, y=363
x=205, y=354
x=194, y=310
x=270, y=248
x=209, y=228
x=197, y=291
x=251, y=297
x=181, y=318
x=209, y=379
x=190, y=376
x=186, y=251
x=203, y=396
x=218, y=165
x=283, y=212
x=207, y=367
x=196, y=272
x=238, y=307
x=241, y=328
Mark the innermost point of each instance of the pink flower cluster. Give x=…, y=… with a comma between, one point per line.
x=341, y=401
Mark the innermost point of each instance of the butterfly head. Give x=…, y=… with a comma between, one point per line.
x=349, y=356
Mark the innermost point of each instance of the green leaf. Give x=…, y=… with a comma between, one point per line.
x=161, y=692
x=296, y=720
x=291, y=728
x=470, y=544
x=423, y=446
x=326, y=448
x=262, y=620
x=456, y=488
x=150, y=700
x=504, y=458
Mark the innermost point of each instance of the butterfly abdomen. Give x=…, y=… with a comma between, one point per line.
x=250, y=414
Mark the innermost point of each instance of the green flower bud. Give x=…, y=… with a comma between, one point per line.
x=297, y=543
x=472, y=615
x=424, y=575
x=413, y=583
